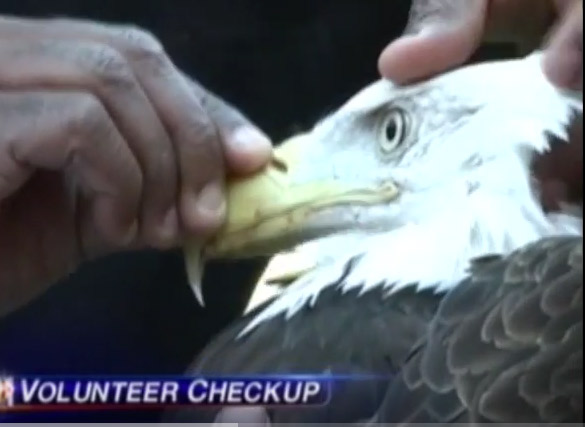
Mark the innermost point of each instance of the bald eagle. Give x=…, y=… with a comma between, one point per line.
x=436, y=269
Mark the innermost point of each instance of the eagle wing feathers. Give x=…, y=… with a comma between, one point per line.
x=507, y=340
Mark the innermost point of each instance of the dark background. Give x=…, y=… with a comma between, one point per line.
x=285, y=64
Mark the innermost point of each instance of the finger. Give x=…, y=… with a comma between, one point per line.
x=222, y=135
x=564, y=6
x=563, y=59
x=246, y=147
x=72, y=132
x=201, y=207
x=101, y=70
x=440, y=34
x=198, y=149
x=181, y=111
x=205, y=134
x=522, y=22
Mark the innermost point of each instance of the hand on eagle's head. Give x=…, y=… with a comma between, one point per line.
x=104, y=146
x=442, y=34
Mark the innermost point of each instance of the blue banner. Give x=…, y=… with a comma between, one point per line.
x=45, y=393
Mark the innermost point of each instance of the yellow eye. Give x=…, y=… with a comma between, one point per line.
x=393, y=130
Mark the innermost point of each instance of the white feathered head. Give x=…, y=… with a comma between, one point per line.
x=408, y=182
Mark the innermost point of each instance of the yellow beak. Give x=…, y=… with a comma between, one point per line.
x=270, y=205
x=272, y=210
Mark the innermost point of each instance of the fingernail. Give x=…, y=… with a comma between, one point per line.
x=210, y=205
x=169, y=226
x=421, y=29
x=250, y=139
x=431, y=30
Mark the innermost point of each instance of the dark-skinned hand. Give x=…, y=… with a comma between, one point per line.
x=104, y=146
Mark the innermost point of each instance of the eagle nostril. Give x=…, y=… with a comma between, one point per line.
x=279, y=164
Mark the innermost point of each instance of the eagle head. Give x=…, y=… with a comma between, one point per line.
x=406, y=183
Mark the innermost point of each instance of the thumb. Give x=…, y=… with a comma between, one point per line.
x=440, y=34
x=563, y=59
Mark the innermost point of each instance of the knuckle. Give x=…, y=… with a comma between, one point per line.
x=141, y=46
x=201, y=140
x=88, y=119
x=211, y=103
x=225, y=116
x=427, y=12
x=141, y=40
x=216, y=110
x=110, y=67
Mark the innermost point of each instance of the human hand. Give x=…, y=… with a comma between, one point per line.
x=104, y=146
x=443, y=34
x=563, y=62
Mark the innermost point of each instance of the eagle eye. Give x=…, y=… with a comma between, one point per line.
x=393, y=131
